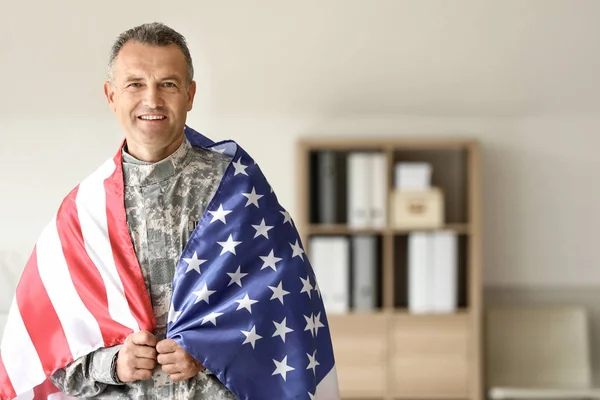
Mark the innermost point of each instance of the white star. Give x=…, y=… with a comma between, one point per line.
x=252, y=197
x=193, y=263
x=312, y=362
x=278, y=292
x=212, y=317
x=282, y=368
x=239, y=167
x=262, y=229
x=220, y=151
x=306, y=286
x=246, y=303
x=310, y=324
x=203, y=294
x=270, y=261
x=173, y=315
x=281, y=329
x=219, y=214
x=286, y=217
x=236, y=277
x=251, y=336
x=229, y=245
x=317, y=289
x=318, y=323
x=297, y=250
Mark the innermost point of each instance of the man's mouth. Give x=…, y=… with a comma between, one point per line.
x=152, y=117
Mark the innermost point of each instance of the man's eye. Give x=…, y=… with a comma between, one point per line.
x=170, y=84
x=134, y=85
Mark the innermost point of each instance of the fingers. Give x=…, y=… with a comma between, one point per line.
x=144, y=352
x=137, y=358
x=179, y=377
x=143, y=338
x=170, y=358
x=166, y=346
x=171, y=369
x=144, y=363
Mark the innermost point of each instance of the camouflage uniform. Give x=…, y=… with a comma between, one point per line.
x=163, y=202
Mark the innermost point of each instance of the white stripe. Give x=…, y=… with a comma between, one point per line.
x=29, y=395
x=328, y=388
x=81, y=328
x=91, y=207
x=20, y=358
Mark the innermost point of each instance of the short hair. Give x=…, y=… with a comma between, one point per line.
x=156, y=34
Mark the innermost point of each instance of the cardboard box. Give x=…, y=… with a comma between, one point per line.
x=414, y=209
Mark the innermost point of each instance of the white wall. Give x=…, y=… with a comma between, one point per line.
x=521, y=76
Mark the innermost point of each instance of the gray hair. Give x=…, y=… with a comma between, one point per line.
x=156, y=34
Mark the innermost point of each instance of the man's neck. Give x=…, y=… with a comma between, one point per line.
x=152, y=154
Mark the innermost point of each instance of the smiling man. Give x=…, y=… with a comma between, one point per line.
x=168, y=183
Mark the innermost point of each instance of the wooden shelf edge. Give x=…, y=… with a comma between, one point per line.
x=399, y=311
x=342, y=229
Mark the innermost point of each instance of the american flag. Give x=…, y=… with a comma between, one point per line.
x=245, y=300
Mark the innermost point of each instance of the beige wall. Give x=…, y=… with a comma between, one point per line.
x=521, y=76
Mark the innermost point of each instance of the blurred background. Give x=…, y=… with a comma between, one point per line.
x=519, y=79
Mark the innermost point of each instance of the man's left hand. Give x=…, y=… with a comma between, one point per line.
x=177, y=362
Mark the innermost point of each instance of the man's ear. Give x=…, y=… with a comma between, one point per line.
x=109, y=92
x=191, y=93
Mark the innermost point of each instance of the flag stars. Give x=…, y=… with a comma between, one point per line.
x=253, y=197
x=310, y=324
x=193, y=263
x=262, y=229
x=173, y=315
x=312, y=362
x=203, y=294
x=239, y=167
x=246, y=303
x=297, y=250
x=212, y=318
x=281, y=329
x=317, y=323
x=278, y=292
x=220, y=215
x=306, y=286
x=229, y=245
x=282, y=368
x=236, y=277
x=270, y=261
x=251, y=336
x=317, y=289
x=286, y=217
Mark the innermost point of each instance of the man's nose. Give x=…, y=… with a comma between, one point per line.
x=152, y=98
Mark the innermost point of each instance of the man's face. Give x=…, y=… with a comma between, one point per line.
x=150, y=94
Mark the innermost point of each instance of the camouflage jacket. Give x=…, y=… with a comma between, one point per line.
x=163, y=202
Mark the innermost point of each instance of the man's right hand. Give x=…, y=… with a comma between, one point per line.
x=137, y=357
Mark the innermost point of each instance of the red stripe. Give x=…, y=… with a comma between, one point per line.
x=126, y=261
x=42, y=391
x=85, y=275
x=41, y=320
x=7, y=391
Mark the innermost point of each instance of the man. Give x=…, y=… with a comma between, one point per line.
x=172, y=271
x=150, y=87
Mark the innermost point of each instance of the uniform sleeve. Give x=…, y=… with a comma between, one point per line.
x=89, y=375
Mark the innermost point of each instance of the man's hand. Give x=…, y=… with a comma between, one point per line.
x=177, y=362
x=137, y=357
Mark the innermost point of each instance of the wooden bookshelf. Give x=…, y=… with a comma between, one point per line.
x=390, y=353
